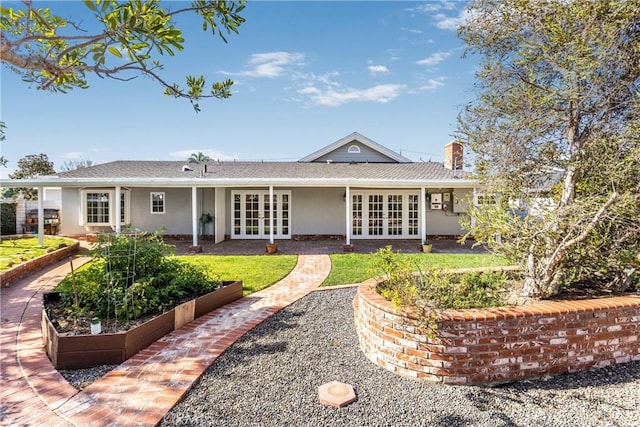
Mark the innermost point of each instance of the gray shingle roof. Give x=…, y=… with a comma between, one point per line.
x=267, y=170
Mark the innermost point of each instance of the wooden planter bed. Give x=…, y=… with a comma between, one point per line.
x=87, y=351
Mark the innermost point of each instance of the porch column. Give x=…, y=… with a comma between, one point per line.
x=271, y=214
x=40, y=217
x=194, y=215
x=347, y=214
x=118, y=204
x=423, y=210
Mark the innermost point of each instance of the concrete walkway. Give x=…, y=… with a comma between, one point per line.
x=144, y=388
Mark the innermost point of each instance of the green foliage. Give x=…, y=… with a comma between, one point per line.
x=7, y=218
x=57, y=54
x=436, y=288
x=423, y=292
x=3, y=160
x=555, y=134
x=29, y=166
x=133, y=275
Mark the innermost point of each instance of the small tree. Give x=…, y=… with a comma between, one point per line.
x=57, y=54
x=198, y=157
x=555, y=134
x=29, y=167
x=72, y=165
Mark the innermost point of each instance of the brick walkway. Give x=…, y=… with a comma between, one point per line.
x=141, y=390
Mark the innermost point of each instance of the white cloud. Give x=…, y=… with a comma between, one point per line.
x=434, y=59
x=270, y=64
x=435, y=6
x=215, y=155
x=432, y=84
x=377, y=69
x=445, y=22
x=332, y=97
x=411, y=30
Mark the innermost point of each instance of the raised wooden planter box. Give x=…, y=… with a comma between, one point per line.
x=87, y=351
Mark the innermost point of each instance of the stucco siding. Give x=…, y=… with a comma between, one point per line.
x=443, y=223
x=70, y=212
x=318, y=211
x=177, y=218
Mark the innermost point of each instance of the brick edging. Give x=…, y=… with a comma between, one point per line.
x=492, y=346
x=37, y=263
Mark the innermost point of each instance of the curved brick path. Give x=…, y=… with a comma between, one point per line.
x=144, y=388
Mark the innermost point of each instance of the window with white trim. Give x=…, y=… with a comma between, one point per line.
x=157, y=202
x=97, y=209
x=353, y=149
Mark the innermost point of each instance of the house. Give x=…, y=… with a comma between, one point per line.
x=351, y=189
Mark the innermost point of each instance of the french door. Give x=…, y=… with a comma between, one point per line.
x=385, y=214
x=251, y=212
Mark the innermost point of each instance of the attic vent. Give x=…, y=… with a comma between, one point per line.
x=354, y=149
x=186, y=168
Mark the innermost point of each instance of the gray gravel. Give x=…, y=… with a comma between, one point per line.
x=270, y=377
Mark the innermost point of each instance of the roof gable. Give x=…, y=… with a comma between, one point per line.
x=355, y=147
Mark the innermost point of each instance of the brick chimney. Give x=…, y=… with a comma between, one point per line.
x=453, y=155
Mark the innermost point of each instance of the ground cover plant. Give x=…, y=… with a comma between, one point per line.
x=16, y=251
x=356, y=268
x=424, y=291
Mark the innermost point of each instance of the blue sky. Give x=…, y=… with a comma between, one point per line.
x=307, y=74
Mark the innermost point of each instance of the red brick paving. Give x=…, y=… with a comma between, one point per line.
x=144, y=388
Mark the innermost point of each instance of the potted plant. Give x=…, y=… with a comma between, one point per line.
x=426, y=246
x=272, y=248
x=205, y=219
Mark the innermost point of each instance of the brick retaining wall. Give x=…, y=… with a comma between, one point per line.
x=492, y=346
x=37, y=263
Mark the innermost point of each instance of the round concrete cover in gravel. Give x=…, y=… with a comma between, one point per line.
x=336, y=394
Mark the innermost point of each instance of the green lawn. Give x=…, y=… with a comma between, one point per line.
x=256, y=271
x=16, y=251
x=356, y=268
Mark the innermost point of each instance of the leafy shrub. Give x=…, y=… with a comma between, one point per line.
x=7, y=218
x=424, y=290
x=133, y=275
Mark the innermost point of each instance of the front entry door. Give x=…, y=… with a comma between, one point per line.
x=251, y=210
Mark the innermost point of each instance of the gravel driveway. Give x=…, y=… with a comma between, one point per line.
x=270, y=377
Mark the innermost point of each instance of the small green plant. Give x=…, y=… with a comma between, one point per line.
x=423, y=291
x=133, y=275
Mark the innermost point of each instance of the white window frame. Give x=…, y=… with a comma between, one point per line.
x=111, y=194
x=353, y=149
x=164, y=202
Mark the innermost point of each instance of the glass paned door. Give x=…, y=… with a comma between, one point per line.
x=251, y=212
x=384, y=214
x=376, y=214
x=394, y=215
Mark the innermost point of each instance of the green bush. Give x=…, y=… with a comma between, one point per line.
x=7, y=219
x=411, y=284
x=133, y=275
x=424, y=290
